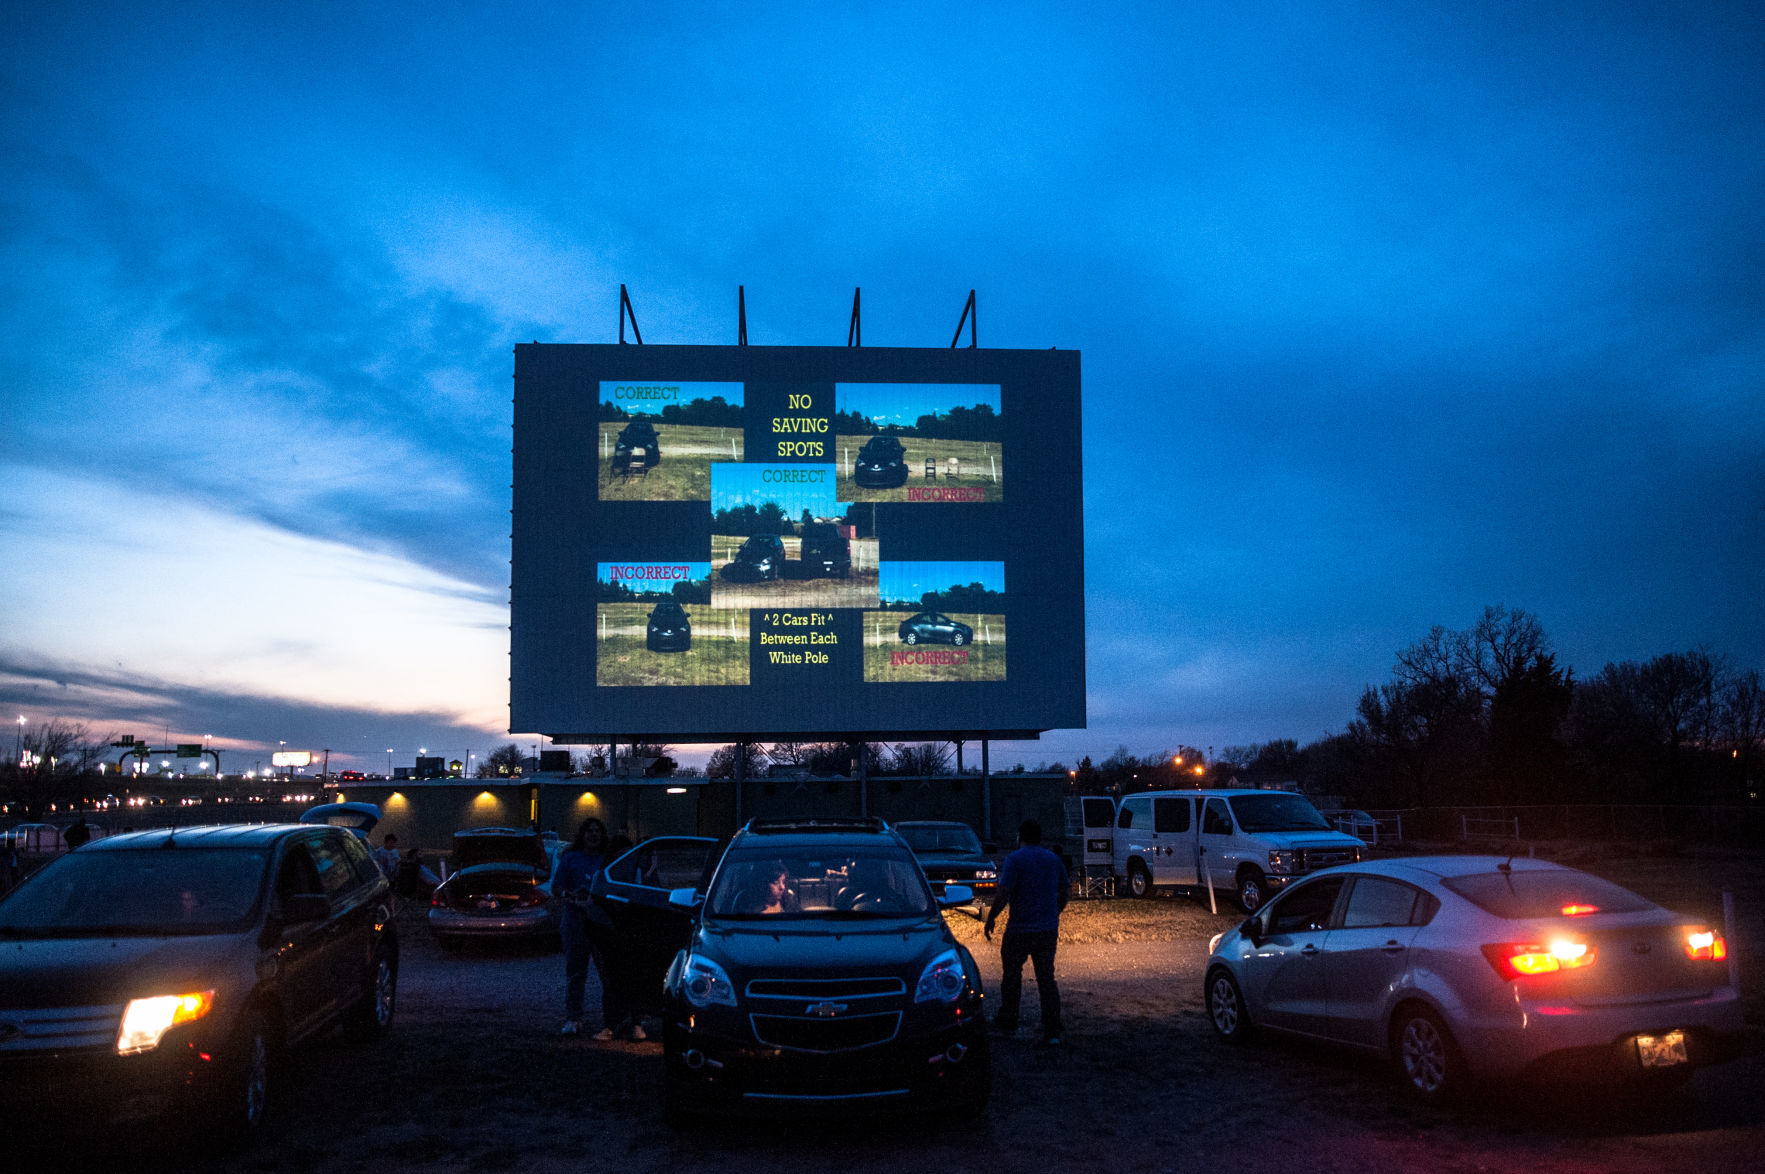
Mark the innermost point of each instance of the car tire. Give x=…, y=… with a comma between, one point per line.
x=1139, y=880
x=241, y=1100
x=910, y=638
x=1225, y=1007
x=372, y=1017
x=958, y=639
x=1253, y=890
x=1427, y=1057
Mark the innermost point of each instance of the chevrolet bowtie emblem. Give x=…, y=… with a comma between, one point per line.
x=826, y=1010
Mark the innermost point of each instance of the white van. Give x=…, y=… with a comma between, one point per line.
x=1251, y=843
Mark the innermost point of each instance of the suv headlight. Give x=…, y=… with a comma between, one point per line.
x=145, y=1021
x=705, y=983
x=986, y=874
x=1281, y=860
x=942, y=980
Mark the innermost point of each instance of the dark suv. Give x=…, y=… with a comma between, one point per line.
x=881, y=464
x=637, y=450
x=670, y=628
x=819, y=973
x=825, y=551
x=162, y=971
x=760, y=557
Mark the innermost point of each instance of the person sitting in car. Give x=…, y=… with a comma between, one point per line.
x=773, y=894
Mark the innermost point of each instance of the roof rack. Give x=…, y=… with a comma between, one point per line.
x=856, y=823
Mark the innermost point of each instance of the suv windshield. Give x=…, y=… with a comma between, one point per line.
x=880, y=448
x=819, y=880
x=1543, y=892
x=150, y=891
x=941, y=839
x=1277, y=812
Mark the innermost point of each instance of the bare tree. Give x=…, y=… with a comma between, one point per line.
x=56, y=757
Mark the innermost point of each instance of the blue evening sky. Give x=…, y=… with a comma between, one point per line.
x=911, y=580
x=681, y=394
x=733, y=485
x=903, y=403
x=1388, y=312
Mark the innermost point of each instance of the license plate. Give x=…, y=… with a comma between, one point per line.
x=1661, y=1051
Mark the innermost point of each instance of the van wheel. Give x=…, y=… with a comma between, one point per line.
x=1252, y=890
x=1139, y=880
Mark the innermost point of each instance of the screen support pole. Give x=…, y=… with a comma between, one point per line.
x=986, y=795
x=625, y=311
x=863, y=782
x=970, y=318
x=855, y=332
x=741, y=316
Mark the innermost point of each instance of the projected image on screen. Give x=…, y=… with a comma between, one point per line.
x=657, y=440
x=654, y=625
x=938, y=621
x=780, y=539
x=919, y=442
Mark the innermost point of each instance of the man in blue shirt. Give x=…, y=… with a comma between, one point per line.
x=1034, y=885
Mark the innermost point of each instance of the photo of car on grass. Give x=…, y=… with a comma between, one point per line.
x=779, y=539
x=654, y=625
x=939, y=621
x=919, y=442
x=657, y=441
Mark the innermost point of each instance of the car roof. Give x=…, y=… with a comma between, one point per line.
x=808, y=832
x=931, y=823
x=226, y=835
x=1423, y=868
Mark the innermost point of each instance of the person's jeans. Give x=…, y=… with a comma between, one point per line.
x=573, y=930
x=1038, y=949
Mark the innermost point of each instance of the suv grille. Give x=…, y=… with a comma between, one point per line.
x=801, y=1034
x=59, y=1028
x=824, y=988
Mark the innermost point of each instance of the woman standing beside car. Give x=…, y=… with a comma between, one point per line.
x=576, y=867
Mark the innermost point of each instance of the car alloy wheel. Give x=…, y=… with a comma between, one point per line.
x=910, y=638
x=1425, y=1051
x=1225, y=1008
x=958, y=639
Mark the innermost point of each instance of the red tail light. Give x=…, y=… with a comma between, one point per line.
x=1706, y=944
x=437, y=899
x=1523, y=959
x=534, y=896
x=1579, y=910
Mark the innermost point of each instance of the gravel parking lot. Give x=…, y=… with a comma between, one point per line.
x=475, y=1078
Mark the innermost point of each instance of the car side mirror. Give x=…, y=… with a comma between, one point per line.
x=302, y=907
x=1252, y=929
x=687, y=899
x=956, y=895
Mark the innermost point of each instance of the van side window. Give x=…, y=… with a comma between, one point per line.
x=1099, y=812
x=1135, y=809
x=1170, y=815
x=1215, y=820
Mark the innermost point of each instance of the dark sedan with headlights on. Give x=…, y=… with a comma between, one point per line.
x=951, y=854
x=500, y=889
x=159, y=974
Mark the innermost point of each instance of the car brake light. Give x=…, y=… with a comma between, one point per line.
x=1516, y=959
x=1706, y=944
x=1579, y=910
x=436, y=899
x=533, y=897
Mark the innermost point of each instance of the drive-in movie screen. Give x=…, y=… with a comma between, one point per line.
x=728, y=542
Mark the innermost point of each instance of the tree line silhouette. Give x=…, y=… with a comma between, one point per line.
x=680, y=591
x=979, y=422
x=715, y=412
x=972, y=598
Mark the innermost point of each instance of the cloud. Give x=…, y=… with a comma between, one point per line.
x=97, y=575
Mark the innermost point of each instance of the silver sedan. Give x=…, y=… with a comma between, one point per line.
x=1467, y=968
